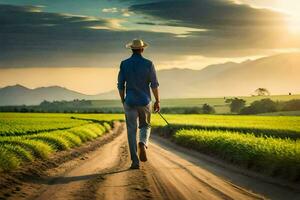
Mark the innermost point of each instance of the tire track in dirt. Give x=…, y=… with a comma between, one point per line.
x=28, y=181
x=193, y=183
x=117, y=182
x=172, y=172
x=103, y=175
x=89, y=190
x=66, y=186
x=193, y=176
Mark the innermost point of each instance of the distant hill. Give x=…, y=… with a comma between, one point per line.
x=188, y=83
x=113, y=94
x=19, y=95
x=279, y=74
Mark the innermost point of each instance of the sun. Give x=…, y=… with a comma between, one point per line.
x=292, y=8
x=294, y=24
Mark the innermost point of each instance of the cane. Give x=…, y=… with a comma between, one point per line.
x=163, y=118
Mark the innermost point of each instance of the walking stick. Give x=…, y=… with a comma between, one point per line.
x=163, y=118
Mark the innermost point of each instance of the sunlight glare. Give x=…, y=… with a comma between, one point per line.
x=294, y=24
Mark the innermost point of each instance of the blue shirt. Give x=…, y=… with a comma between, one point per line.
x=136, y=76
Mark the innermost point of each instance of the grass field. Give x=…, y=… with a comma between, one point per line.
x=219, y=103
x=268, y=144
x=275, y=126
x=282, y=113
x=25, y=137
x=22, y=124
x=275, y=157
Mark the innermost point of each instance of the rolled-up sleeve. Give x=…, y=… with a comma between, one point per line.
x=153, y=78
x=121, y=78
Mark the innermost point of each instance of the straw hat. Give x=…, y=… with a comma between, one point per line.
x=137, y=44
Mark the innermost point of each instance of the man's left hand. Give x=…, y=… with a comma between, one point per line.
x=156, y=106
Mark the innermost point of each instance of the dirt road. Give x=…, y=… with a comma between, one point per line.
x=172, y=172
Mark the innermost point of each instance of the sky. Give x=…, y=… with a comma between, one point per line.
x=79, y=44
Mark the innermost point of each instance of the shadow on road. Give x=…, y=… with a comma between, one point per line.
x=65, y=180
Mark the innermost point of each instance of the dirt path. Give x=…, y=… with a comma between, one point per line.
x=189, y=180
x=101, y=160
x=172, y=172
x=179, y=173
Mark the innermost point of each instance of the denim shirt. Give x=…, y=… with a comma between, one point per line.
x=136, y=76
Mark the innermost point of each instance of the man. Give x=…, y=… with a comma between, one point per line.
x=136, y=76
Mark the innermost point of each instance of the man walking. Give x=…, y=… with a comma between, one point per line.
x=136, y=76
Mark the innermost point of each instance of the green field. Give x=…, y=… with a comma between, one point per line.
x=282, y=113
x=275, y=126
x=25, y=137
x=280, y=126
x=22, y=124
x=274, y=157
x=267, y=144
x=219, y=103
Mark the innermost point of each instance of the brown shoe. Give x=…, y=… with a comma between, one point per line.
x=142, y=150
x=134, y=166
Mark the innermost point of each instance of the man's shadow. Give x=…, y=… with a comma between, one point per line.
x=65, y=180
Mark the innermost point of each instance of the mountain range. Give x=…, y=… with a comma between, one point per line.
x=279, y=74
x=20, y=95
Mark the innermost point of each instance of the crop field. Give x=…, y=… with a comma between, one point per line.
x=22, y=124
x=218, y=103
x=275, y=157
x=187, y=102
x=25, y=137
x=276, y=126
x=282, y=113
x=285, y=123
x=267, y=144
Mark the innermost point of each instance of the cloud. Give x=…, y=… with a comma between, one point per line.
x=41, y=39
x=227, y=23
x=124, y=11
x=216, y=15
x=32, y=16
x=110, y=10
x=31, y=37
x=209, y=13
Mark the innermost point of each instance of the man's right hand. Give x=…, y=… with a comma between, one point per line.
x=156, y=106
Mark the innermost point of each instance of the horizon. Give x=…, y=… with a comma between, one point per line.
x=112, y=89
x=57, y=39
x=199, y=97
x=111, y=82
x=206, y=92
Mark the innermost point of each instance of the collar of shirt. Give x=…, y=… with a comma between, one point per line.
x=136, y=55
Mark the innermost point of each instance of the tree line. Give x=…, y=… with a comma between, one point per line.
x=237, y=106
x=265, y=105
